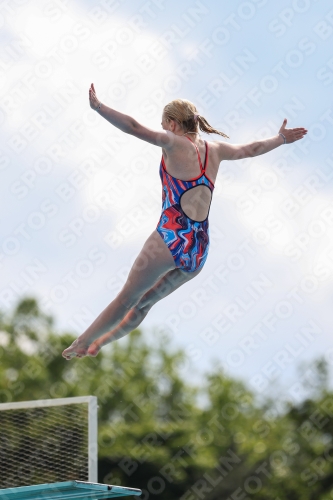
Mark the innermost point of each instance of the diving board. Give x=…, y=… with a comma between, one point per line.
x=69, y=490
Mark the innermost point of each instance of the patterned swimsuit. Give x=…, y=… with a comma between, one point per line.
x=187, y=239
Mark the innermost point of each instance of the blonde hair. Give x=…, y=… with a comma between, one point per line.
x=186, y=114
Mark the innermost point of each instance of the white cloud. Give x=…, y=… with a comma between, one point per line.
x=126, y=85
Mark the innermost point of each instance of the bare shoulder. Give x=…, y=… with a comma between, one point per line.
x=214, y=150
x=162, y=138
x=227, y=151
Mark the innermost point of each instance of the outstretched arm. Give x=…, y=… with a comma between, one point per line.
x=239, y=151
x=128, y=124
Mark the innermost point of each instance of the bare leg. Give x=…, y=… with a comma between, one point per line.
x=153, y=262
x=168, y=284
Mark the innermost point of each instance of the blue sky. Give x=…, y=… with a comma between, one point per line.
x=79, y=198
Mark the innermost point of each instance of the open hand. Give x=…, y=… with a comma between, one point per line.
x=94, y=102
x=292, y=134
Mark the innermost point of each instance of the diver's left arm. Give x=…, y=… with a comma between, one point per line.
x=129, y=125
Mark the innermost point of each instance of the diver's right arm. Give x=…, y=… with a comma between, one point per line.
x=238, y=151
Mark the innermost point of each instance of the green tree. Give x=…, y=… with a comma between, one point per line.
x=155, y=434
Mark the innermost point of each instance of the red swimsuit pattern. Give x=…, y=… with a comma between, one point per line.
x=187, y=239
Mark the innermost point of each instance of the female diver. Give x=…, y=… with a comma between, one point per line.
x=177, y=249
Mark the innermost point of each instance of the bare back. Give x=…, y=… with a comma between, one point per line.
x=182, y=162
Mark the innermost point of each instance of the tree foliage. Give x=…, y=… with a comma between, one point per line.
x=153, y=432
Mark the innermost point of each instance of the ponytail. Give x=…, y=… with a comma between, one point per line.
x=207, y=128
x=185, y=113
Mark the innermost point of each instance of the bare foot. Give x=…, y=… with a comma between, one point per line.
x=93, y=349
x=76, y=350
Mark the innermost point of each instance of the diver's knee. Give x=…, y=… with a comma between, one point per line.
x=144, y=304
x=128, y=300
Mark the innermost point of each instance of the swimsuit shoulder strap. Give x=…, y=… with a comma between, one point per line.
x=201, y=168
x=206, y=157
